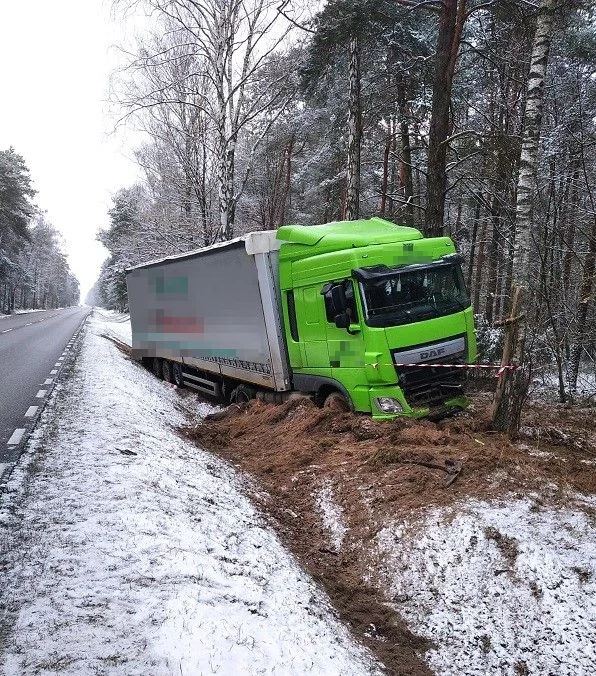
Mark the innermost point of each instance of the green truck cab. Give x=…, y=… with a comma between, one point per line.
x=360, y=300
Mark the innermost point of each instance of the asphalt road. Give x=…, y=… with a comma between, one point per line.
x=30, y=346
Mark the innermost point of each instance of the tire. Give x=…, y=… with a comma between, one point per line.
x=242, y=394
x=156, y=367
x=177, y=375
x=166, y=371
x=337, y=402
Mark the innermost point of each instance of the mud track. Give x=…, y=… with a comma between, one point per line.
x=381, y=472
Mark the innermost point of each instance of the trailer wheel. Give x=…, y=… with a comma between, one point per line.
x=156, y=367
x=177, y=375
x=166, y=370
x=337, y=402
x=242, y=394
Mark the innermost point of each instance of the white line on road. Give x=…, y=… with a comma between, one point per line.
x=6, y=330
x=16, y=437
x=48, y=381
x=41, y=394
x=31, y=411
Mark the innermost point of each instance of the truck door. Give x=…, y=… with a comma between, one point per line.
x=311, y=322
x=346, y=350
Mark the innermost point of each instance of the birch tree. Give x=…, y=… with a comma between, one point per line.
x=513, y=387
x=354, y=131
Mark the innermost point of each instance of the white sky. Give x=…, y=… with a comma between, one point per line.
x=55, y=61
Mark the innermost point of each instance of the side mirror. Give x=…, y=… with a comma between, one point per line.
x=342, y=320
x=338, y=298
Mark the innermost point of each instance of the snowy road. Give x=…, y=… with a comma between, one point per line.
x=30, y=345
x=128, y=550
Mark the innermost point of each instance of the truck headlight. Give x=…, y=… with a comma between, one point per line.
x=388, y=405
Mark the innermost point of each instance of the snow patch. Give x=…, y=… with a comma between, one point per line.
x=500, y=588
x=332, y=515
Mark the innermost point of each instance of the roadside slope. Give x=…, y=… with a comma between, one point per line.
x=128, y=550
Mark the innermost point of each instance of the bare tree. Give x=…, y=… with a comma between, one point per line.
x=230, y=42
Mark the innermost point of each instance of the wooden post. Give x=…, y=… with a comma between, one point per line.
x=511, y=324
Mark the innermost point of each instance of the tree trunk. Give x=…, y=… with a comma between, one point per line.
x=385, y=176
x=226, y=188
x=568, y=233
x=450, y=30
x=586, y=292
x=585, y=301
x=473, y=238
x=512, y=388
x=288, y=179
x=352, y=209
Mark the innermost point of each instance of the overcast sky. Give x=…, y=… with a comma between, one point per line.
x=55, y=62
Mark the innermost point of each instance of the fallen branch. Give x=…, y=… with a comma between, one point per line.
x=452, y=467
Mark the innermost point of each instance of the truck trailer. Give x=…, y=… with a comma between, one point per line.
x=357, y=314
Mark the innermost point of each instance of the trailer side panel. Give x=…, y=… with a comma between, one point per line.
x=205, y=311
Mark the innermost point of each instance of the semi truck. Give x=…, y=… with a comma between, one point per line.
x=356, y=314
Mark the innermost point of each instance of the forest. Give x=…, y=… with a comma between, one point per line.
x=34, y=272
x=474, y=119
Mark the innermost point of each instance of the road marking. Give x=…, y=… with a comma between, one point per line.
x=16, y=437
x=6, y=330
x=48, y=381
x=41, y=394
x=31, y=411
x=53, y=372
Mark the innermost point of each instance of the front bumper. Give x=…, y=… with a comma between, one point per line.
x=445, y=408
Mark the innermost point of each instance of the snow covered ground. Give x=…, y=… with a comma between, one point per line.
x=22, y=312
x=127, y=550
x=115, y=324
x=505, y=588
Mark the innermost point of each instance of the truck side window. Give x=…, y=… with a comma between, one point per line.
x=349, y=291
x=292, y=316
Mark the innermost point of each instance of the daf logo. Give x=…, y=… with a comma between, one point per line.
x=431, y=354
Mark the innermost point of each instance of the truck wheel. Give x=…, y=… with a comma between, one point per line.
x=156, y=367
x=166, y=370
x=177, y=375
x=337, y=402
x=242, y=394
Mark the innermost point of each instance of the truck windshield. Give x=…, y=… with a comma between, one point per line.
x=413, y=295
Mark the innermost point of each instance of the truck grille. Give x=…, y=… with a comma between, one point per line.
x=428, y=386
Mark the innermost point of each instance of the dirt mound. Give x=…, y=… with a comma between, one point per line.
x=310, y=459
